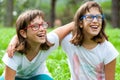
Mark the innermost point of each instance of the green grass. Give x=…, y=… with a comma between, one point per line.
x=114, y=37
x=5, y=36
x=56, y=62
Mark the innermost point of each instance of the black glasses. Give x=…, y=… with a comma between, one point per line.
x=90, y=17
x=37, y=26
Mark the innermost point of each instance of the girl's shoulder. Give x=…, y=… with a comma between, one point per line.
x=106, y=44
x=13, y=62
x=108, y=47
x=18, y=55
x=52, y=37
x=68, y=37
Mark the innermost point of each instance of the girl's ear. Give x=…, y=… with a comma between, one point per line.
x=23, y=33
x=81, y=24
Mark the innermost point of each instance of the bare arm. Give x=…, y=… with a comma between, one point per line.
x=12, y=45
x=9, y=73
x=64, y=30
x=110, y=70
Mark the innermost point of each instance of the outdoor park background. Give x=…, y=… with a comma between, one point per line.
x=64, y=11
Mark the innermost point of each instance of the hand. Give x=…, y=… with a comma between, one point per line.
x=12, y=46
x=10, y=50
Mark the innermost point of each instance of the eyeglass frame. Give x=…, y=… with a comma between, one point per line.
x=92, y=17
x=38, y=26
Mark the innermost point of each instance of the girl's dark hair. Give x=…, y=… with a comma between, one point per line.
x=78, y=35
x=22, y=22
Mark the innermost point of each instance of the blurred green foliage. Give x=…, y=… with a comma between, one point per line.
x=65, y=9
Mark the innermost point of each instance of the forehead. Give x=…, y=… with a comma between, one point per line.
x=93, y=10
x=37, y=19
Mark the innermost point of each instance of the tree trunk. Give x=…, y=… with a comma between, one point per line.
x=115, y=13
x=8, y=20
x=53, y=15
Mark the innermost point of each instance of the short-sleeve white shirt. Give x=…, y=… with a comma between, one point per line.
x=25, y=68
x=91, y=62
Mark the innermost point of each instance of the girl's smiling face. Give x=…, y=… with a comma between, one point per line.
x=36, y=32
x=92, y=22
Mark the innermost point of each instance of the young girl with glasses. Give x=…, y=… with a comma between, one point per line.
x=28, y=63
x=90, y=55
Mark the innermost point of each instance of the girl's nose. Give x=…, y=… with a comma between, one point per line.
x=41, y=28
x=94, y=19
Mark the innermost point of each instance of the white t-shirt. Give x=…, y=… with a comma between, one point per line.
x=90, y=63
x=25, y=68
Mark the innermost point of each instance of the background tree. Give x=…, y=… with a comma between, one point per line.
x=116, y=13
x=8, y=20
x=55, y=9
x=70, y=8
x=53, y=15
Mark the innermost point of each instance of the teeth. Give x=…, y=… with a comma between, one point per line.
x=41, y=35
x=94, y=26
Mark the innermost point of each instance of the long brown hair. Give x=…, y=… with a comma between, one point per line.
x=22, y=22
x=78, y=35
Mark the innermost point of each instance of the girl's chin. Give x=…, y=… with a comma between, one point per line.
x=42, y=41
x=94, y=33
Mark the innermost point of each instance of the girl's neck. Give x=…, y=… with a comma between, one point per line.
x=32, y=52
x=89, y=44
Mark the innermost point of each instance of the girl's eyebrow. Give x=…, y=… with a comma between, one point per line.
x=34, y=22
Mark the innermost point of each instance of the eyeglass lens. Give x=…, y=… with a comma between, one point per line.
x=91, y=17
x=37, y=26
